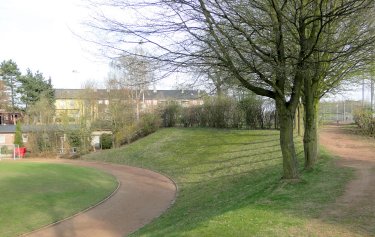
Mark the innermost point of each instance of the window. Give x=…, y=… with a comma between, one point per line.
x=2, y=139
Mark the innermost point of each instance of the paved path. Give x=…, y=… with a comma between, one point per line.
x=142, y=196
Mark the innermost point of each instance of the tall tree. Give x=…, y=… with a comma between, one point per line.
x=264, y=44
x=10, y=72
x=4, y=97
x=33, y=87
x=134, y=73
x=41, y=111
x=341, y=38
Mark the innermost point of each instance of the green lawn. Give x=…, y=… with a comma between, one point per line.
x=229, y=184
x=35, y=194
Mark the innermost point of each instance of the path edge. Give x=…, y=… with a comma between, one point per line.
x=80, y=212
x=170, y=204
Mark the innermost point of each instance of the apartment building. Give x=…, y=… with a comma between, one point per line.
x=72, y=104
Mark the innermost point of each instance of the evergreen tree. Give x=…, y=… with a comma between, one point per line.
x=10, y=73
x=33, y=87
x=18, y=135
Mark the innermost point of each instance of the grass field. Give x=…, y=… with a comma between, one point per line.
x=229, y=184
x=35, y=194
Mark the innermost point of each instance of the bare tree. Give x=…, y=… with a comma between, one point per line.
x=134, y=73
x=266, y=45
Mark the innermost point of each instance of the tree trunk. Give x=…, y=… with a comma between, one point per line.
x=290, y=162
x=310, y=137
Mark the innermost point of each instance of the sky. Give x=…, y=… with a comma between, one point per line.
x=41, y=35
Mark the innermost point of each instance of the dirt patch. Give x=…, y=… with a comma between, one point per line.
x=142, y=196
x=355, y=209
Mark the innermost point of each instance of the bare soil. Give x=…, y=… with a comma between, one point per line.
x=355, y=209
x=142, y=196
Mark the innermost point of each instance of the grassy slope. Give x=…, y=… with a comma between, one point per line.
x=229, y=184
x=34, y=194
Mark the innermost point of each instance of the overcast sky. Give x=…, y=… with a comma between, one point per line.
x=37, y=34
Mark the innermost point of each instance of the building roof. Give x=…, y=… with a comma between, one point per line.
x=50, y=128
x=81, y=93
x=172, y=94
x=7, y=129
x=39, y=128
x=102, y=94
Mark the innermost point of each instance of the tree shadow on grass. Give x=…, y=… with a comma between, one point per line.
x=260, y=191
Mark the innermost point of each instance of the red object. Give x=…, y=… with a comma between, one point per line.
x=21, y=151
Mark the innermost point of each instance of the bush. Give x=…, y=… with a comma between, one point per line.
x=126, y=135
x=170, y=114
x=74, y=139
x=18, y=135
x=149, y=123
x=365, y=121
x=220, y=112
x=225, y=112
x=106, y=141
x=43, y=142
x=191, y=116
x=252, y=108
x=5, y=150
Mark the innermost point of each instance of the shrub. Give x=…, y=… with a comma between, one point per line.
x=252, y=108
x=5, y=150
x=43, y=142
x=149, y=123
x=126, y=134
x=226, y=112
x=190, y=116
x=18, y=135
x=170, y=114
x=74, y=139
x=220, y=112
x=365, y=120
x=106, y=141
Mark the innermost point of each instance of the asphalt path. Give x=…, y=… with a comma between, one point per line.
x=142, y=196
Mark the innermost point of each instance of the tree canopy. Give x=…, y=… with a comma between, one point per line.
x=33, y=87
x=10, y=72
x=25, y=90
x=272, y=48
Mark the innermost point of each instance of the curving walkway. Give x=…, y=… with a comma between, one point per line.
x=142, y=196
x=357, y=205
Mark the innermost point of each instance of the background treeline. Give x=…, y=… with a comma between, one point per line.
x=250, y=112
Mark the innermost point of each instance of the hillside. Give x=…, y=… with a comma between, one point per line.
x=229, y=183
